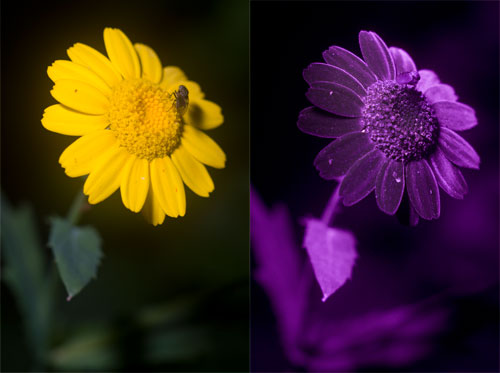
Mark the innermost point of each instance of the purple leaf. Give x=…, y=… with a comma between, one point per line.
x=335, y=99
x=317, y=122
x=322, y=72
x=279, y=267
x=351, y=63
x=332, y=253
x=395, y=336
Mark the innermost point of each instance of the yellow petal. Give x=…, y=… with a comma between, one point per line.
x=121, y=53
x=95, y=61
x=62, y=69
x=80, y=96
x=193, y=88
x=152, y=210
x=194, y=174
x=135, y=183
x=81, y=157
x=204, y=114
x=106, y=177
x=168, y=187
x=171, y=76
x=63, y=120
x=203, y=148
x=150, y=63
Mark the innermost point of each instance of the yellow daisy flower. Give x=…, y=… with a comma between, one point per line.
x=139, y=125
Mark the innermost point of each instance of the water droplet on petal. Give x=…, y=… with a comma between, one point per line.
x=330, y=93
x=396, y=178
x=430, y=191
x=330, y=161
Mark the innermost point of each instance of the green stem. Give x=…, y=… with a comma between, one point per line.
x=75, y=211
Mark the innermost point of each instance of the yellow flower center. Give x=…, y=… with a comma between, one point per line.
x=145, y=119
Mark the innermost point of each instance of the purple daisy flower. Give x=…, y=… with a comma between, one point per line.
x=395, y=127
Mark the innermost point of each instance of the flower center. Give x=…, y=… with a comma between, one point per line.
x=145, y=119
x=399, y=120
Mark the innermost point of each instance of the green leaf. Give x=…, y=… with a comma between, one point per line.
x=24, y=273
x=77, y=251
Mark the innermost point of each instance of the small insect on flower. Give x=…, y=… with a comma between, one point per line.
x=395, y=128
x=181, y=99
x=140, y=127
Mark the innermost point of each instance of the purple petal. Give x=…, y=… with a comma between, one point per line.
x=457, y=149
x=322, y=72
x=336, y=158
x=428, y=78
x=405, y=213
x=377, y=56
x=414, y=218
x=422, y=189
x=440, y=92
x=360, y=180
x=351, y=63
x=402, y=60
x=454, y=115
x=335, y=99
x=332, y=253
x=314, y=121
x=449, y=177
x=389, y=186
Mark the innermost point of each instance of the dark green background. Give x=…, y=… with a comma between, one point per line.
x=205, y=254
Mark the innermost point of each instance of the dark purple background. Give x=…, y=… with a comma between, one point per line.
x=457, y=254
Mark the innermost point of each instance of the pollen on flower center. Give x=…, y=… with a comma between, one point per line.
x=145, y=119
x=399, y=121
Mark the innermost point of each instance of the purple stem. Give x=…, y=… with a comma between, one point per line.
x=330, y=208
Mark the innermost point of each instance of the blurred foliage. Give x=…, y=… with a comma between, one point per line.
x=24, y=272
x=174, y=335
x=90, y=348
x=169, y=335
